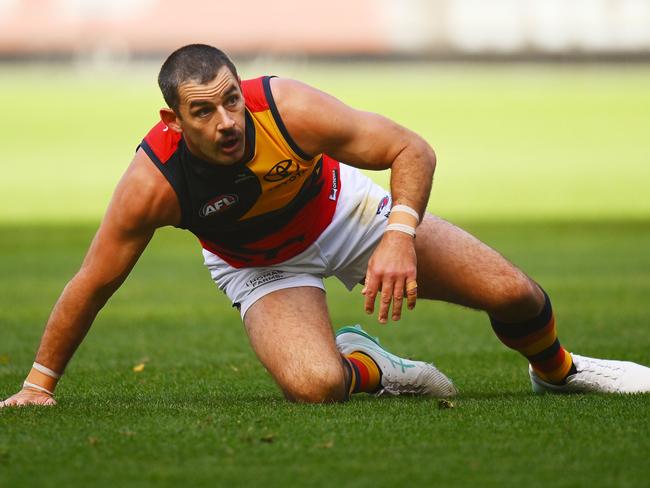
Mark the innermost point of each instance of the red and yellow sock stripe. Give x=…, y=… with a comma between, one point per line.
x=365, y=374
x=537, y=340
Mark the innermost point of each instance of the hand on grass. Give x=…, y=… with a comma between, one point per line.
x=28, y=396
x=392, y=269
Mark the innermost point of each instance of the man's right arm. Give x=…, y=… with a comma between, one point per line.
x=142, y=202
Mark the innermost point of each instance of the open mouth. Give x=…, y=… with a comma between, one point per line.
x=230, y=144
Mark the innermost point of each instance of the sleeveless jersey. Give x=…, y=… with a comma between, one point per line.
x=263, y=210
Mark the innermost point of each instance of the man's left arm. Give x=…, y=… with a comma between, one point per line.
x=320, y=123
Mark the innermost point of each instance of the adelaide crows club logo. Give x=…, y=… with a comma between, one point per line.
x=281, y=170
x=384, y=203
x=218, y=205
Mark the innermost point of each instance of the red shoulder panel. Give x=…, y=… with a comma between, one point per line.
x=163, y=141
x=253, y=91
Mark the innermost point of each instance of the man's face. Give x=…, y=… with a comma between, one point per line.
x=212, y=118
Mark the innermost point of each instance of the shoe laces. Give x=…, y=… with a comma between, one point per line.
x=601, y=367
x=394, y=388
x=592, y=373
x=417, y=384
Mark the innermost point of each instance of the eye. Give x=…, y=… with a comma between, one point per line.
x=202, y=112
x=232, y=100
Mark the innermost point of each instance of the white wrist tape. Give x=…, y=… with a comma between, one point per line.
x=407, y=229
x=408, y=210
x=37, y=387
x=46, y=371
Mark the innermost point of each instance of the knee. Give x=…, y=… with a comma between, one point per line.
x=316, y=385
x=520, y=298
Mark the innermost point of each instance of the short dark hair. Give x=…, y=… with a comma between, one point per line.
x=198, y=63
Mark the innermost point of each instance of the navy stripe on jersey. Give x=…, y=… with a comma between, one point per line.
x=278, y=120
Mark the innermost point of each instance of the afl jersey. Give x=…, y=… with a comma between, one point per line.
x=263, y=210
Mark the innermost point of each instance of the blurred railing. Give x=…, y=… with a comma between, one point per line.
x=335, y=27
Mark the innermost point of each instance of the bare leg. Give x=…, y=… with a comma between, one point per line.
x=455, y=267
x=291, y=333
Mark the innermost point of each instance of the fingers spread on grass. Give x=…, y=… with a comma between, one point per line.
x=50, y=402
x=26, y=397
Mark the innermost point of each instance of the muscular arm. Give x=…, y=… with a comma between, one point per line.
x=142, y=201
x=112, y=254
x=320, y=123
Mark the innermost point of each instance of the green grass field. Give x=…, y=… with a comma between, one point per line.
x=547, y=164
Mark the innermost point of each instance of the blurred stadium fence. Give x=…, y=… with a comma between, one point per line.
x=55, y=28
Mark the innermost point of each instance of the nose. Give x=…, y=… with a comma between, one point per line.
x=226, y=122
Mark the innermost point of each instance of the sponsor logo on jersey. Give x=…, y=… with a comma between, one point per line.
x=291, y=179
x=265, y=278
x=335, y=185
x=282, y=170
x=218, y=205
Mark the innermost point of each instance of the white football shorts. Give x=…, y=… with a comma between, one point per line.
x=342, y=250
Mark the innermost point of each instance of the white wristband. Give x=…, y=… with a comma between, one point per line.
x=408, y=210
x=46, y=371
x=37, y=387
x=407, y=229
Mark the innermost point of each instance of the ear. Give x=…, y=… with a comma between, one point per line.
x=168, y=116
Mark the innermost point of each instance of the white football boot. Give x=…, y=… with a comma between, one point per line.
x=398, y=376
x=598, y=376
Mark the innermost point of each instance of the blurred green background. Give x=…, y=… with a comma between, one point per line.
x=514, y=141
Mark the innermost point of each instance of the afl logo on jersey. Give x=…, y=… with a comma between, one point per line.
x=218, y=205
x=281, y=170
